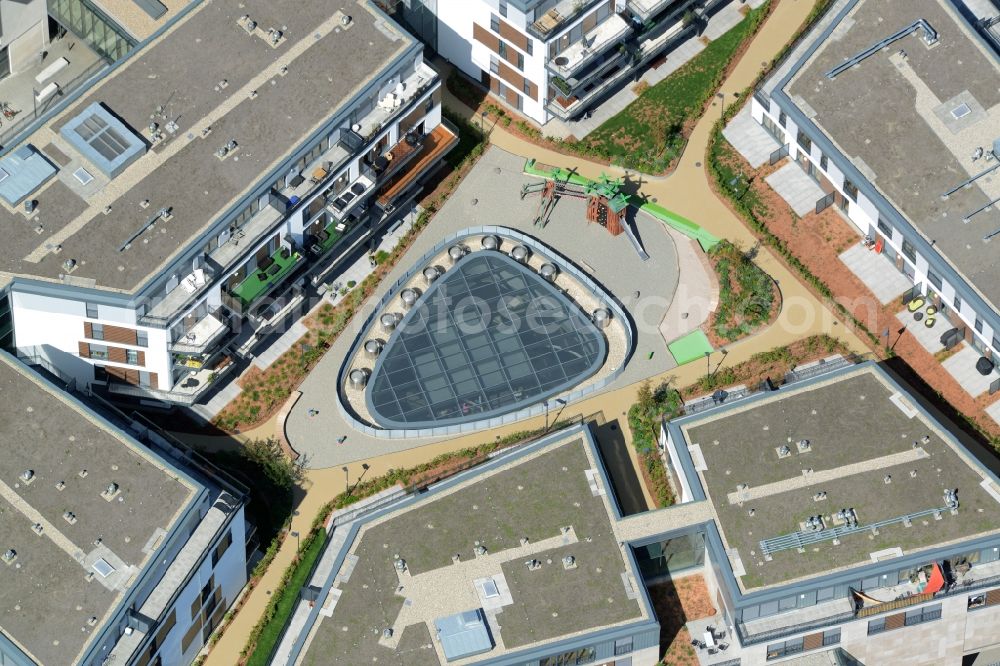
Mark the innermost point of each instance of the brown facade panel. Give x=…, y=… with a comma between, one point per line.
x=993, y=597
x=154, y=380
x=514, y=36
x=116, y=354
x=895, y=621
x=124, y=336
x=514, y=78
x=84, y=350
x=812, y=641
x=142, y=358
x=88, y=329
x=484, y=36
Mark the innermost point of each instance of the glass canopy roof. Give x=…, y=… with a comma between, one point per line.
x=487, y=338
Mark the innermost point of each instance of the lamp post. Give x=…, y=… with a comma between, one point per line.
x=722, y=100
x=347, y=479
x=708, y=365
x=546, y=403
x=298, y=545
x=482, y=124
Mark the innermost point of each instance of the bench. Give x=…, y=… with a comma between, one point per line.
x=51, y=70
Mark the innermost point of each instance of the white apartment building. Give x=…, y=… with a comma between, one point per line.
x=166, y=218
x=552, y=58
x=115, y=545
x=894, y=110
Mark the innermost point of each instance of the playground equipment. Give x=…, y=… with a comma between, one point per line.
x=606, y=204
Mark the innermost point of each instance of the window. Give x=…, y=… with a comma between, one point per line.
x=909, y=251
x=934, y=279
x=494, y=23
x=494, y=65
x=527, y=87
x=884, y=228
x=851, y=190
x=778, y=650
x=99, y=352
x=804, y=141
x=222, y=547
x=782, y=118
x=131, y=357
x=581, y=656
x=921, y=615
x=876, y=626
x=831, y=637
x=142, y=339
x=97, y=331
x=979, y=324
x=977, y=601
x=520, y=60
x=958, y=303
x=503, y=8
x=824, y=163
x=531, y=47
x=91, y=311
x=623, y=646
x=502, y=49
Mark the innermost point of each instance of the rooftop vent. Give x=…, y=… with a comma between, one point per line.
x=814, y=524
x=847, y=516
x=520, y=253
x=548, y=272
x=569, y=562
x=951, y=498
x=111, y=492
x=409, y=297
x=490, y=242
x=37, y=528
x=373, y=348
x=102, y=568
x=820, y=496
x=601, y=317
x=455, y=252
x=804, y=446
x=387, y=633
x=431, y=273
x=533, y=565
x=69, y=517
x=27, y=476
x=400, y=564
x=345, y=20
x=390, y=320
x=887, y=479
x=784, y=451
x=359, y=378
x=9, y=556
x=479, y=549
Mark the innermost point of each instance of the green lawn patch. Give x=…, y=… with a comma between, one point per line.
x=691, y=347
x=650, y=132
x=287, y=599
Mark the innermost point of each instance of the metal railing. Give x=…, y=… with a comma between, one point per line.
x=565, y=265
x=790, y=630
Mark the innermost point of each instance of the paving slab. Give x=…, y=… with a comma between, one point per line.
x=675, y=60
x=750, y=138
x=876, y=271
x=962, y=366
x=723, y=21
x=994, y=411
x=797, y=189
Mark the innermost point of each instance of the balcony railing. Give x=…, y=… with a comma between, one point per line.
x=594, y=43
x=184, y=392
x=208, y=330
x=261, y=280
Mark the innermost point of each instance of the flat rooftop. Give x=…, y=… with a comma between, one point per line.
x=912, y=124
x=545, y=497
x=201, y=73
x=52, y=588
x=860, y=428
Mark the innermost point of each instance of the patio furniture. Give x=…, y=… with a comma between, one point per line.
x=265, y=263
x=296, y=180
x=917, y=316
x=915, y=304
x=709, y=641
x=984, y=366
x=318, y=174
x=358, y=188
x=931, y=309
x=719, y=635
x=930, y=321
x=285, y=253
x=273, y=270
x=947, y=336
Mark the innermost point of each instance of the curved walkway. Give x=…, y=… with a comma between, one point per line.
x=686, y=191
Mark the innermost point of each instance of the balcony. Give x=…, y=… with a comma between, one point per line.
x=406, y=91
x=261, y=280
x=593, y=44
x=435, y=145
x=186, y=391
x=327, y=237
x=647, y=9
x=549, y=23
x=340, y=205
x=210, y=329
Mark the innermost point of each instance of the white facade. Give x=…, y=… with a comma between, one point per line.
x=864, y=214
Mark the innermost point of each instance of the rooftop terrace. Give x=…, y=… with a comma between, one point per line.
x=545, y=497
x=911, y=117
x=75, y=568
x=860, y=429
x=172, y=80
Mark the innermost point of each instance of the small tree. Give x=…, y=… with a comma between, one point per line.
x=278, y=468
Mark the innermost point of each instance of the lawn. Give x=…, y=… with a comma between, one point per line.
x=287, y=600
x=650, y=133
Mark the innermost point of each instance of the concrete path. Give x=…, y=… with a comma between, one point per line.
x=676, y=59
x=750, y=138
x=280, y=346
x=795, y=187
x=962, y=366
x=218, y=401
x=994, y=411
x=697, y=294
x=876, y=271
x=723, y=21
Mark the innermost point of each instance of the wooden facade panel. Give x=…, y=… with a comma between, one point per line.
x=895, y=621
x=812, y=641
x=484, y=36
x=88, y=329
x=116, y=354
x=84, y=350
x=142, y=358
x=514, y=78
x=993, y=597
x=123, y=336
x=514, y=36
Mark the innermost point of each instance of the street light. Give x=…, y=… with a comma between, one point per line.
x=708, y=365
x=347, y=478
x=482, y=124
x=722, y=98
x=298, y=546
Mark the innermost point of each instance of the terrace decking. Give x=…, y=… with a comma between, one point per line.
x=260, y=281
x=436, y=144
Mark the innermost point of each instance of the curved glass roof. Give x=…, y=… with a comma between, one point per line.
x=488, y=337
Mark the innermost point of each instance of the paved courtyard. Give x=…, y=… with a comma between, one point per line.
x=793, y=185
x=876, y=271
x=750, y=138
x=490, y=195
x=929, y=338
x=962, y=366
